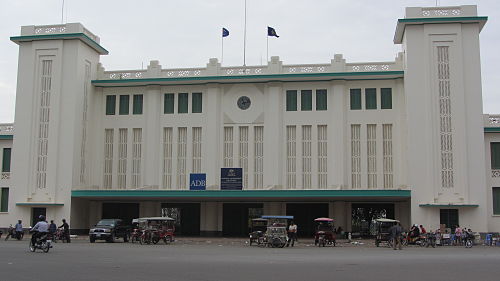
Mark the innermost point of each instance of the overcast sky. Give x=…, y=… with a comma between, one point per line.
x=187, y=33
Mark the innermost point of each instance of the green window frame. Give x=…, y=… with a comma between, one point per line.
x=124, y=104
x=137, y=104
x=168, y=103
x=495, y=155
x=183, y=102
x=496, y=200
x=386, y=98
x=306, y=100
x=355, y=99
x=197, y=103
x=4, y=200
x=110, y=105
x=321, y=99
x=6, y=160
x=371, y=98
x=291, y=100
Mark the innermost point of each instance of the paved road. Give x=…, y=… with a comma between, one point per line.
x=219, y=261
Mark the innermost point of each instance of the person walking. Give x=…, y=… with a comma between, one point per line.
x=292, y=234
x=395, y=232
x=65, y=227
x=19, y=230
x=52, y=227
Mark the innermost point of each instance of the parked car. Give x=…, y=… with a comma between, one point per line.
x=110, y=230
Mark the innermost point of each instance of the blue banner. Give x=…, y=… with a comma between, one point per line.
x=197, y=181
x=231, y=178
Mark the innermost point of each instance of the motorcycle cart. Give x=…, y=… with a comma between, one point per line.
x=325, y=232
x=257, y=230
x=276, y=233
x=154, y=229
x=382, y=231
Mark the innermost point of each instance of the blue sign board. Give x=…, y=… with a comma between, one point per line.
x=197, y=181
x=231, y=178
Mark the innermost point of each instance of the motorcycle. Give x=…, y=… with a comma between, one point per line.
x=11, y=232
x=43, y=243
x=468, y=239
x=428, y=239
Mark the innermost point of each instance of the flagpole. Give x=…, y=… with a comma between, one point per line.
x=245, y=36
x=62, y=13
x=267, y=53
x=222, y=56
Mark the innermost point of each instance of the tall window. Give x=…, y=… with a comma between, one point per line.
x=43, y=125
x=181, y=157
x=371, y=148
x=108, y=158
x=306, y=156
x=196, y=150
x=355, y=99
x=355, y=156
x=448, y=217
x=291, y=100
x=495, y=155
x=182, y=107
x=259, y=156
x=291, y=157
x=387, y=154
x=168, y=103
x=4, y=200
x=167, y=157
x=243, y=154
x=6, y=160
x=136, y=157
x=197, y=103
x=386, y=98
x=122, y=158
x=124, y=104
x=322, y=156
x=321, y=99
x=306, y=100
x=110, y=105
x=137, y=104
x=228, y=147
x=496, y=200
x=371, y=98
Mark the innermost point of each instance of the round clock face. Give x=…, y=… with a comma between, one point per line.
x=244, y=102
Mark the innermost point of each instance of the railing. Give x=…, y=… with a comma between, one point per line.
x=5, y=176
x=6, y=129
x=364, y=67
x=441, y=12
x=491, y=120
x=316, y=68
x=182, y=72
x=126, y=74
x=495, y=173
x=50, y=29
x=244, y=70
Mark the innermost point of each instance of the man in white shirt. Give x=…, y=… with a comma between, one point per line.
x=292, y=234
x=40, y=229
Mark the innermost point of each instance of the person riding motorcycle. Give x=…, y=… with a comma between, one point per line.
x=41, y=228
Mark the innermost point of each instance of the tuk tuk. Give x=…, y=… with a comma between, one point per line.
x=154, y=229
x=325, y=232
x=382, y=233
x=276, y=232
x=257, y=230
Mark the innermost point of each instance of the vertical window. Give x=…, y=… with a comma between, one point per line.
x=355, y=99
x=4, y=200
x=291, y=157
x=197, y=103
x=136, y=157
x=387, y=154
x=228, y=147
x=496, y=200
x=196, y=166
x=183, y=103
x=6, y=160
x=259, y=157
x=122, y=158
x=371, y=148
x=124, y=104
x=168, y=103
x=291, y=100
x=322, y=156
x=306, y=156
x=371, y=98
x=181, y=157
x=306, y=100
x=108, y=158
x=355, y=156
x=495, y=155
x=321, y=99
x=137, y=104
x=386, y=98
x=243, y=154
x=167, y=157
x=449, y=217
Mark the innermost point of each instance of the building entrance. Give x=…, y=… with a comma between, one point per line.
x=236, y=217
x=37, y=212
x=364, y=214
x=124, y=211
x=304, y=215
x=186, y=215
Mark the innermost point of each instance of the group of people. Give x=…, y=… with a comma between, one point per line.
x=42, y=227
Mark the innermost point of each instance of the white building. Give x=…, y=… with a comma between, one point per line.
x=404, y=139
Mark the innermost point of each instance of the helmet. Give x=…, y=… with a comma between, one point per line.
x=41, y=217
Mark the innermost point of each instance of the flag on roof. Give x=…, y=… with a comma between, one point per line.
x=271, y=32
x=225, y=32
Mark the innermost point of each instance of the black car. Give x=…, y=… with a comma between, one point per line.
x=110, y=230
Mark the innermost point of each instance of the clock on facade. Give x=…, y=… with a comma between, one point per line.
x=244, y=102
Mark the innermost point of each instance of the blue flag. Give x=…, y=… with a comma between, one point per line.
x=225, y=32
x=271, y=32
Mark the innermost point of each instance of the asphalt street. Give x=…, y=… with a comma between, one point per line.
x=234, y=260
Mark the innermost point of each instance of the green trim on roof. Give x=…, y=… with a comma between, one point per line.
x=38, y=204
x=82, y=36
x=492, y=129
x=443, y=19
x=449, y=205
x=241, y=193
x=6, y=137
x=271, y=77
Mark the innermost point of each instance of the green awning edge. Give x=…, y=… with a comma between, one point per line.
x=6, y=137
x=82, y=36
x=38, y=204
x=449, y=205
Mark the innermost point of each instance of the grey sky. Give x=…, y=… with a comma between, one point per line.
x=187, y=33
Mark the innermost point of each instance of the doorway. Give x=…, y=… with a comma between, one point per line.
x=304, y=215
x=236, y=218
x=187, y=216
x=37, y=212
x=124, y=211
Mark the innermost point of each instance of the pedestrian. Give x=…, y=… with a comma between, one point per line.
x=19, y=230
x=395, y=232
x=52, y=227
x=458, y=235
x=422, y=230
x=292, y=234
x=65, y=227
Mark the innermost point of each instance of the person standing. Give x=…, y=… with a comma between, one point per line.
x=65, y=227
x=395, y=232
x=52, y=228
x=292, y=234
x=19, y=230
